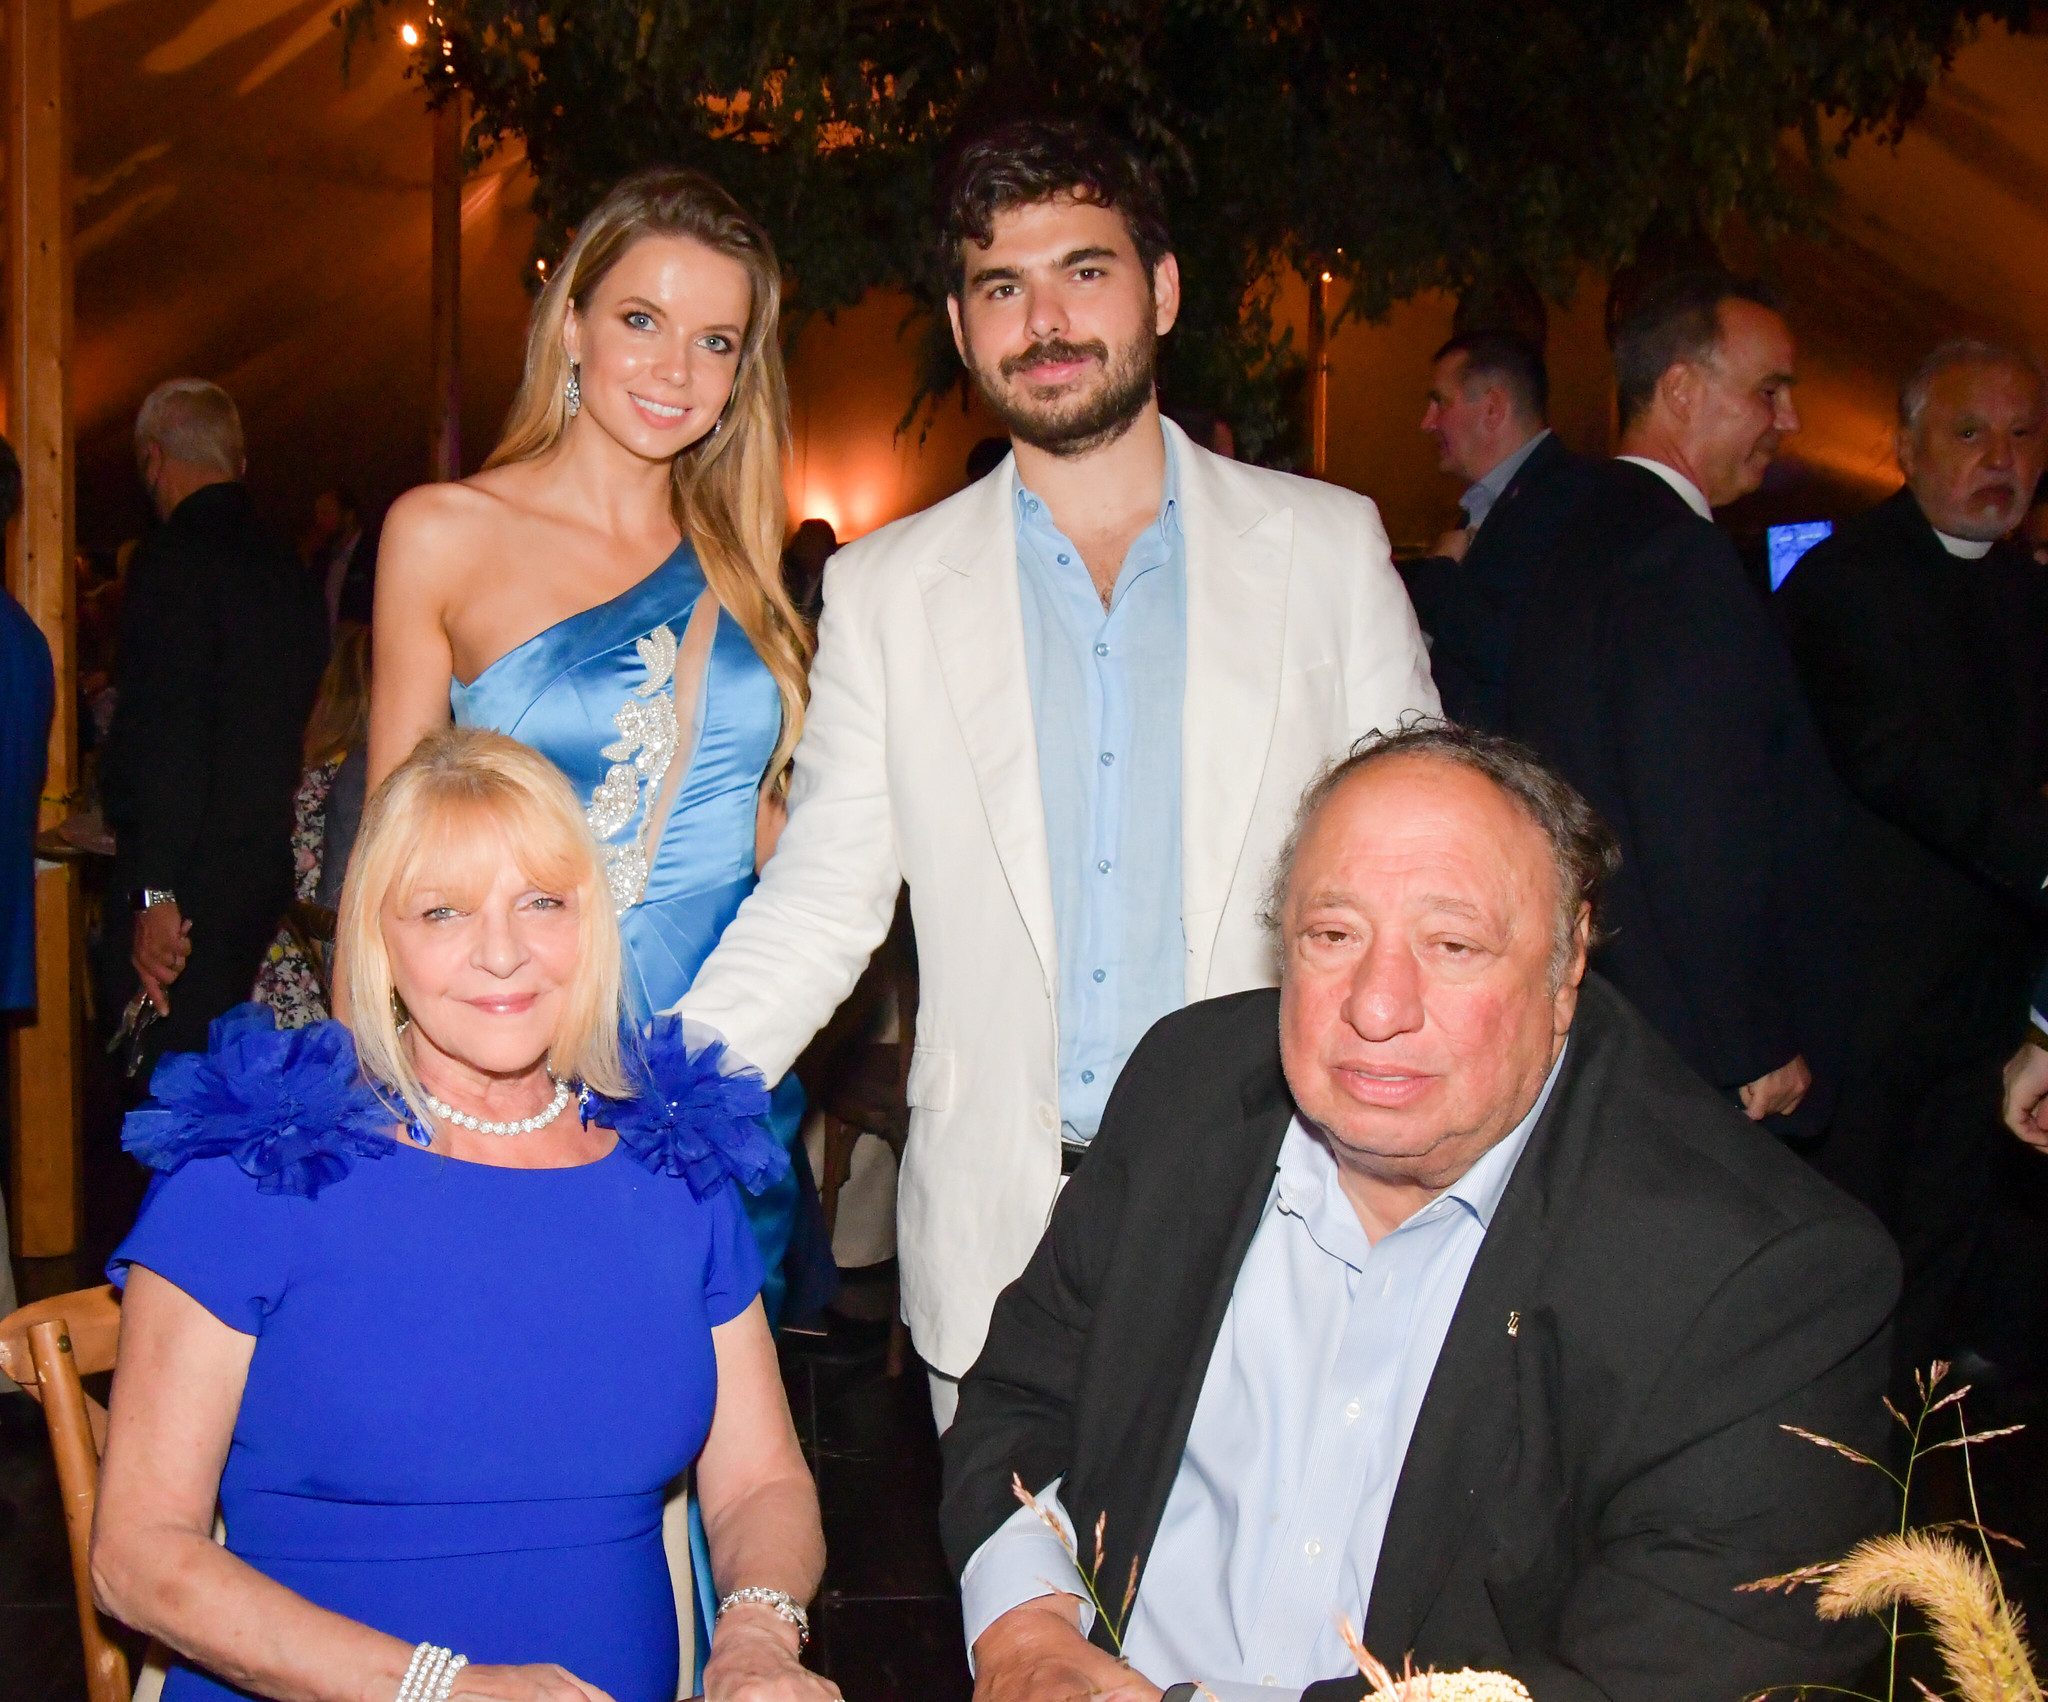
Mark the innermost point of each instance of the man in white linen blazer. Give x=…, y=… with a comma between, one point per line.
x=920, y=758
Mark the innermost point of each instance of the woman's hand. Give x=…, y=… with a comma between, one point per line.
x=754, y=1659
x=524, y=1684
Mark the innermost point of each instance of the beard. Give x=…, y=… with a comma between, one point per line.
x=1081, y=420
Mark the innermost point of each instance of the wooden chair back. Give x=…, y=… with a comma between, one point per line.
x=47, y=1347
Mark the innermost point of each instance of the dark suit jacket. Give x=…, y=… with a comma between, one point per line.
x=1647, y=672
x=1471, y=608
x=223, y=639
x=1581, y=1496
x=1927, y=675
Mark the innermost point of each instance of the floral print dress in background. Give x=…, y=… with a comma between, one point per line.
x=287, y=982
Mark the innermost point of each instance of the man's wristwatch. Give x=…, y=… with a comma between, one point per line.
x=149, y=897
x=1184, y=1691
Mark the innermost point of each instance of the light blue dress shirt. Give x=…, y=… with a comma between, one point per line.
x=1272, y=1530
x=1483, y=493
x=1106, y=689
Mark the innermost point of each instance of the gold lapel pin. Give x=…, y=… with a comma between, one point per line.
x=1514, y=1323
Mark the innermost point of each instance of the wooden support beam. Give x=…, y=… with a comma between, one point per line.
x=45, y=1074
x=1319, y=374
x=447, y=290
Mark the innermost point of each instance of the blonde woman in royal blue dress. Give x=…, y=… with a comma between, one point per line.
x=608, y=588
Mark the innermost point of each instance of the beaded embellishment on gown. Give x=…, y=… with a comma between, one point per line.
x=639, y=761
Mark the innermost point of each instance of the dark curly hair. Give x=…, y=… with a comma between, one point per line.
x=1029, y=160
x=1583, y=849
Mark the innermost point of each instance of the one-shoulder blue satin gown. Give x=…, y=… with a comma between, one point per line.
x=595, y=695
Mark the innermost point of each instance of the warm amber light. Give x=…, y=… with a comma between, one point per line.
x=1326, y=277
x=408, y=35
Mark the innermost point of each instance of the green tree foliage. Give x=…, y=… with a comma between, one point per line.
x=1399, y=144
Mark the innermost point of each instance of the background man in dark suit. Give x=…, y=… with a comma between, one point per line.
x=223, y=638
x=1488, y=399
x=1648, y=673
x=1922, y=639
x=1458, y=1301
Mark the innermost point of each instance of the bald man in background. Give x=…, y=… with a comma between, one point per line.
x=1922, y=639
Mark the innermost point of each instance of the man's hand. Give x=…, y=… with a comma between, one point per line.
x=1779, y=1093
x=163, y=941
x=2026, y=1096
x=1036, y=1653
x=1453, y=543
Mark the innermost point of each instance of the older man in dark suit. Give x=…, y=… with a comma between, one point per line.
x=1647, y=671
x=1922, y=638
x=1488, y=399
x=1433, y=1289
x=223, y=639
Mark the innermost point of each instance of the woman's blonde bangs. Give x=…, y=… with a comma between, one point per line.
x=465, y=798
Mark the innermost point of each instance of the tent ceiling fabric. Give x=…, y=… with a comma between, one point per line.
x=247, y=215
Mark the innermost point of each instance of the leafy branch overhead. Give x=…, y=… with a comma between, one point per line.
x=1398, y=146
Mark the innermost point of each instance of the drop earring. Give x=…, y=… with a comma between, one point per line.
x=401, y=1018
x=572, y=392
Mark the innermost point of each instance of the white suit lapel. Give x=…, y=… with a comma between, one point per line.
x=971, y=604
x=1240, y=552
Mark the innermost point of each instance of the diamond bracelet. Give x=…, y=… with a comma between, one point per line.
x=778, y=1602
x=430, y=1675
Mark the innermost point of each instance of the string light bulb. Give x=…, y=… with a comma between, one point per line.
x=408, y=35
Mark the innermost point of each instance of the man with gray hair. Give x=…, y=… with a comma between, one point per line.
x=223, y=639
x=1432, y=1292
x=1922, y=639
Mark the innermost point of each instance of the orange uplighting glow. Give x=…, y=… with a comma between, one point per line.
x=408, y=35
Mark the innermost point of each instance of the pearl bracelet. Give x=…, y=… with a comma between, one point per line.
x=778, y=1602
x=430, y=1675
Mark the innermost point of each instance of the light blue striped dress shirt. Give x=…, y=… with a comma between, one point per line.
x=1273, y=1527
x=1106, y=690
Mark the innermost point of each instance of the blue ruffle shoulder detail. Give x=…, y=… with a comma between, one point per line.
x=289, y=1106
x=689, y=1117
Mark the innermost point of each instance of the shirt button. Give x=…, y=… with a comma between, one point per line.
x=1102, y=650
x=1109, y=759
x=1311, y=1548
x=1269, y=1680
x=1102, y=868
x=1099, y=974
x=1064, y=560
x=1048, y=1118
x=1087, y=1075
x=1351, y=1412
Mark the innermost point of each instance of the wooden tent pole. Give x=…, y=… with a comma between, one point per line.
x=1319, y=374
x=45, y=1054
x=447, y=290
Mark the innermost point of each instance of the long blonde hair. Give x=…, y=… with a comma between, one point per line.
x=465, y=795
x=725, y=489
x=340, y=721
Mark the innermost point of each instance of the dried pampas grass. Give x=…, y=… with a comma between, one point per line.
x=1981, y=1636
x=1413, y=1686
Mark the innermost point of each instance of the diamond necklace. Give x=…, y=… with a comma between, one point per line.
x=524, y=1126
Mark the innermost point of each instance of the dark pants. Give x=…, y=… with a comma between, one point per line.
x=1918, y=1138
x=234, y=911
